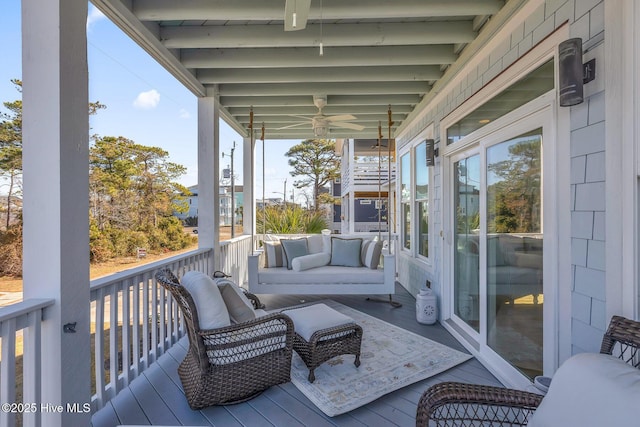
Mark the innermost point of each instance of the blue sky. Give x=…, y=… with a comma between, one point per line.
x=144, y=102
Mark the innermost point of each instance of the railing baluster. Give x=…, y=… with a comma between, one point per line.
x=8, y=370
x=32, y=368
x=154, y=318
x=145, y=321
x=126, y=335
x=99, y=348
x=135, y=331
x=162, y=303
x=113, y=340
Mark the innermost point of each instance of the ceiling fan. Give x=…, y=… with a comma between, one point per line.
x=296, y=13
x=321, y=123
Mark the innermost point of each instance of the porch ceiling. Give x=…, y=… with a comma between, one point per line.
x=377, y=54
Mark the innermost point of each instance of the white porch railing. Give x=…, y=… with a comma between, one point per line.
x=135, y=321
x=364, y=174
x=20, y=326
x=234, y=257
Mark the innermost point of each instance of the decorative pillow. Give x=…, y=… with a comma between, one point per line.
x=239, y=307
x=293, y=248
x=212, y=311
x=314, y=243
x=306, y=262
x=371, y=252
x=273, y=255
x=346, y=252
x=326, y=241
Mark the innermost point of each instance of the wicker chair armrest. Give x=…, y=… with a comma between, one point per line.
x=255, y=301
x=448, y=402
x=249, y=339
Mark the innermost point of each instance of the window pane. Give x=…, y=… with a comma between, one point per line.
x=466, y=256
x=423, y=228
x=405, y=179
x=422, y=172
x=406, y=225
x=534, y=84
x=515, y=251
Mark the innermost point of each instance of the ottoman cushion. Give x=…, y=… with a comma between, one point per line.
x=308, y=320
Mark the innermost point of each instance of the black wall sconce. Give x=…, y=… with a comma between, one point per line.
x=571, y=72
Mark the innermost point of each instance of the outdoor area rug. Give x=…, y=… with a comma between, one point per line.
x=391, y=358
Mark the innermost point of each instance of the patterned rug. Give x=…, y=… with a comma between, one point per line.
x=391, y=358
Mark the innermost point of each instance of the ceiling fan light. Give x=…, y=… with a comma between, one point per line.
x=320, y=130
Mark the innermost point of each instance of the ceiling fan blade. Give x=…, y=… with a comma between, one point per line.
x=347, y=125
x=341, y=118
x=295, y=14
x=292, y=126
x=301, y=117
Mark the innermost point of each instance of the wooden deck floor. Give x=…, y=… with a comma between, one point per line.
x=156, y=398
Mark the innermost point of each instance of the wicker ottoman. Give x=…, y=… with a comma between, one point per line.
x=322, y=333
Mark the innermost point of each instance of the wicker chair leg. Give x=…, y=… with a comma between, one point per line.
x=312, y=376
x=357, y=361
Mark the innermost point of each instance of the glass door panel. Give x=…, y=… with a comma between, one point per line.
x=514, y=251
x=466, y=182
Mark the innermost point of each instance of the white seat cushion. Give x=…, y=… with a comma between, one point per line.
x=212, y=311
x=308, y=320
x=326, y=274
x=591, y=390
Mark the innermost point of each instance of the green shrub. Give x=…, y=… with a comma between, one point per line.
x=289, y=220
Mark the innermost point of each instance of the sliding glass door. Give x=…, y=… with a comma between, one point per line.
x=514, y=251
x=497, y=246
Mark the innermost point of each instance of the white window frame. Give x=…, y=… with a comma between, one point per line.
x=410, y=149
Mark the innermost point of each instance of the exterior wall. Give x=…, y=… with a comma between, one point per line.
x=587, y=147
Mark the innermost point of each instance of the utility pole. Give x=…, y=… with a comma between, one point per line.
x=284, y=194
x=233, y=195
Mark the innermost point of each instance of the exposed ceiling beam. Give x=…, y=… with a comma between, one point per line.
x=260, y=36
x=354, y=88
x=325, y=74
x=279, y=121
x=248, y=10
x=328, y=110
x=307, y=133
x=308, y=57
x=333, y=100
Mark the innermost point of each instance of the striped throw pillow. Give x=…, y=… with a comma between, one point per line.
x=370, y=253
x=274, y=256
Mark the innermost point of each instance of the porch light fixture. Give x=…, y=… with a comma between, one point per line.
x=320, y=130
x=570, y=72
x=431, y=152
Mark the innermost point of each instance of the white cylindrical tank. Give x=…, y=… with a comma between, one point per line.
x=426, y=307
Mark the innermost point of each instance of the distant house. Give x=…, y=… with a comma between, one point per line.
x=364, y=186
x=224, y=203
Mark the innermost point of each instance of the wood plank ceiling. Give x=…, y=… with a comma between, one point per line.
x=376, y=54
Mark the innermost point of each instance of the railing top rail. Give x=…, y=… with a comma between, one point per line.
x=24, y=307
x=126, y=274
x=235, y=239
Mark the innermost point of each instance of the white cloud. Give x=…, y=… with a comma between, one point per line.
x=184, y=114
x=94, y=16
x=147, y=100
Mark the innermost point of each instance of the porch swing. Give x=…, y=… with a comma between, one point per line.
x=298, y=278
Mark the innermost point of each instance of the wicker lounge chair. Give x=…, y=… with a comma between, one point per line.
x=459, y=404
x=231, y=364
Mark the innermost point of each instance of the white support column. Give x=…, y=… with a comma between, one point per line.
x=208, y=179
x=621, y=105
x=248, y=186
x=56, y=196
x=352, y=187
